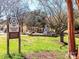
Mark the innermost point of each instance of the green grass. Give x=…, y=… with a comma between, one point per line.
x=31, y=44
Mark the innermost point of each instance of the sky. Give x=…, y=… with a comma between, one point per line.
x=24, y=4
x=32, y=4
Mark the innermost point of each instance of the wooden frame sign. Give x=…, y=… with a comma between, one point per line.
x=13, y=32
x=13, y=28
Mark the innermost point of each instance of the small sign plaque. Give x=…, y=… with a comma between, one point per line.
x=13, y=25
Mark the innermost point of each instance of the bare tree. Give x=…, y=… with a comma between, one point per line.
x=35, y=19
x=15, y=8
x=57, y=15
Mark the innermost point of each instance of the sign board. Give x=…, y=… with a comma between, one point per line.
x=13, y=28
x=13, y=25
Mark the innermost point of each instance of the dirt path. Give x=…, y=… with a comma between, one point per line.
x=41, y=55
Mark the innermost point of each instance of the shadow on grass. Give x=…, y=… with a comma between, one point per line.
x=14, y=56
x=45, y=35
x=9, y=55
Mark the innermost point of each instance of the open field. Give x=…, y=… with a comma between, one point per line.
x=33, y=44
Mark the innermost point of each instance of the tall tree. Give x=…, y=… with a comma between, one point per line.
x=57, y=15
x=35, y=19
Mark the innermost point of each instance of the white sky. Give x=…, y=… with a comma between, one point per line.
x=33, y=4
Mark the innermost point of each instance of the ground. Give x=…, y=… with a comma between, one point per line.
x=41, y=55
x=34, y=47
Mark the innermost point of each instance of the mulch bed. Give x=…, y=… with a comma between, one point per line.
x=41, y=55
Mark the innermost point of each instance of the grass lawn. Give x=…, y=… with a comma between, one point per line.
x=31, y=44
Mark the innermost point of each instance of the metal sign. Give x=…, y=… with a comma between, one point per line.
x=13, y=25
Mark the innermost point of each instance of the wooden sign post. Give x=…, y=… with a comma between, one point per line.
x=13, y=32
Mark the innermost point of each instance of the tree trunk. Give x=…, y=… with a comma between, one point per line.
x=62, y=37
x=22, y=26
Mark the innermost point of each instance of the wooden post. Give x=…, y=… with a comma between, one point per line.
x=8, y=45
x=19, y=41
x=70, y=27
x=8, y=36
